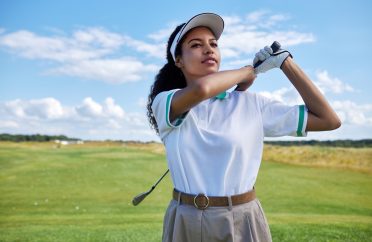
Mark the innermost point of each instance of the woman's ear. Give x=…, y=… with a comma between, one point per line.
x=179, y=62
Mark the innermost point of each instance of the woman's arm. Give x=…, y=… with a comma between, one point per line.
x=207, y=87
x=321, y=116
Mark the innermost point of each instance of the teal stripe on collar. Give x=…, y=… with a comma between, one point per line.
x=222, y=95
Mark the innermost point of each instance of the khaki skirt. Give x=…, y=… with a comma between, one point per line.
x=245, y=222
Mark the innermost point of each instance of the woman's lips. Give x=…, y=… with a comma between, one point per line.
x=209, y=60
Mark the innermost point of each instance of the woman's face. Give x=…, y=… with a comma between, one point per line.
x=200, y=54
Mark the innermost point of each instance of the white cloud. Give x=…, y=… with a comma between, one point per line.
x=112, y=109
x=8, y=124
x=61, y=49
x=99, y=37
x=88, y=120
x=256, y=16
x=323, y=81
x=87, y=53
x=48, y=108
x=162, y=35
x=235, y=63
x=154, y=50
x=109, y=70
x=90, y=108
x=331, y=84
x=349, y=112
x=142, y=102
x=14, y=107
x=248, y=35
x=356, y=118
x=235, y=44
x=98, y=54
x=113, y=124
x=108, y=120
x=233, y=23
x=353, y=113
x=263, y=19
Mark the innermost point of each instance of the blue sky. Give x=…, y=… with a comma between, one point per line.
x=84, y=68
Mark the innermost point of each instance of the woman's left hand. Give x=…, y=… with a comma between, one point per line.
x=247, y=83
x=243, y=86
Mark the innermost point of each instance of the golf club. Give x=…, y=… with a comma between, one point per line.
x=138, y=199
x=275, y=46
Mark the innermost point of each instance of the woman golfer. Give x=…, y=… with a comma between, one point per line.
x=214, y=139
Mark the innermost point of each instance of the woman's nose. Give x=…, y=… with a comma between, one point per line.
x=208, y=49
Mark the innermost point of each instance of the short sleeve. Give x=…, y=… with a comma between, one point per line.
x=161, y=110
x=280, y=119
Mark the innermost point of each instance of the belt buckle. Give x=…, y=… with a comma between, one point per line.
x=202, y=207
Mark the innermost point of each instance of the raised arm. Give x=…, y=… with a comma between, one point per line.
x=207, y=87
x=320, y=116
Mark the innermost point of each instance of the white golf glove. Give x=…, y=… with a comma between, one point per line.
x=269, y=59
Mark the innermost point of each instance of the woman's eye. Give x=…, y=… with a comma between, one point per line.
x=195, y=45
x=214, y=44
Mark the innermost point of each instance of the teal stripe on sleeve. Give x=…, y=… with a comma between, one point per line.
x=167, y=110
x=301, y=117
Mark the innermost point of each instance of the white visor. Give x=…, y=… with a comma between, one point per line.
x=210, y=20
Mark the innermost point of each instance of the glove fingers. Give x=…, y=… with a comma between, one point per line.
x=270, y=59
x=260, y=56
x=268, y=50
x=265, y=53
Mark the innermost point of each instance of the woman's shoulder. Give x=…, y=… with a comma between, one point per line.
x=261, y=96
x=246, y=95
x=253, y=98
x=165, y=94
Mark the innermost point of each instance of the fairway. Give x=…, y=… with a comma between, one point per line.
x=84, y=192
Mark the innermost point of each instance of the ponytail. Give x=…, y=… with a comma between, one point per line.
x=169, y=77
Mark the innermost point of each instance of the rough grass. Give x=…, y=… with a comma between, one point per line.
x=84, y=192
x=359, y=159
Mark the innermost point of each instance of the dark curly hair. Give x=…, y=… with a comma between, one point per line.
x=169, y=77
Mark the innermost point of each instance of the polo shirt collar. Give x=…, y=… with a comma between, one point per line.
x=222, y=95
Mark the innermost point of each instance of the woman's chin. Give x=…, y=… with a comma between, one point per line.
x=211, y=71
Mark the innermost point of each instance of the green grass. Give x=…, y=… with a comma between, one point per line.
x=84, y=193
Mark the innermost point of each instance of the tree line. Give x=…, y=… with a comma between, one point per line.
x=34, y=137
x=331, y=143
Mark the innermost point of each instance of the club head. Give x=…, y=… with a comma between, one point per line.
x=138, y=199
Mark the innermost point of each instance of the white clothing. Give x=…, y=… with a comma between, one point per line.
x=216, y=147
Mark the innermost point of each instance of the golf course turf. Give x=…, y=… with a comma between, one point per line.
x=84, y=192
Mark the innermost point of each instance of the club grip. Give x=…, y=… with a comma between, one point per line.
x=275, y=46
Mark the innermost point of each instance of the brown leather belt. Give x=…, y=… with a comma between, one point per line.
x=202, y=201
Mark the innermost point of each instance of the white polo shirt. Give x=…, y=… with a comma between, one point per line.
x=216, y=148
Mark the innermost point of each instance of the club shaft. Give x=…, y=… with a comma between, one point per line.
x=161, y=178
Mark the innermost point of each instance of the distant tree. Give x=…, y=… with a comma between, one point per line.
x=34, y=137
x=331, y=143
